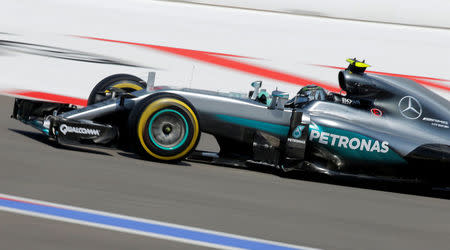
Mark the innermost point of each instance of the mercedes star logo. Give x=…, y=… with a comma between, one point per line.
x=410, y=107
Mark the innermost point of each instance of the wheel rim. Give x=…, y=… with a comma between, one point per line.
x=166, y=103
x=168, y=129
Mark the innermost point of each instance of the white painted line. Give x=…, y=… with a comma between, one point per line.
x=134, y=225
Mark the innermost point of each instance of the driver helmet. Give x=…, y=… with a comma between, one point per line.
x=312, y=92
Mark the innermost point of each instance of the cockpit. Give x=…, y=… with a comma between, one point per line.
x=281, y=99
x=307, y=94
x=352, y=80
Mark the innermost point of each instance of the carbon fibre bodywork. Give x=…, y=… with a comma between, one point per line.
x=385, y=127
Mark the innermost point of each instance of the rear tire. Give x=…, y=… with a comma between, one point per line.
x=164, y=127
x=127, y=82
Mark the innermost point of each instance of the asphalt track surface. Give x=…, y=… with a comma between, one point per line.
x=239, y=201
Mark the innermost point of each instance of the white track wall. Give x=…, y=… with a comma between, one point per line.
x=286, y=43
x=431, y=13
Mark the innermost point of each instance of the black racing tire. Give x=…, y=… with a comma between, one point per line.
x=164, y=127
x=127, y=82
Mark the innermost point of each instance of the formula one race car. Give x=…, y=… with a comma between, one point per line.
x=384, y=127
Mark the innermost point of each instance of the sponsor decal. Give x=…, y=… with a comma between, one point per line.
x=297, y=133
x=78, y=130
x=348, y=101
x=296, y=140
x=410, y=107
x=436, y=122
x=348, y=142
x=376, y=112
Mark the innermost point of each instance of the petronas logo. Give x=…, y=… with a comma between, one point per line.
x=297, y=133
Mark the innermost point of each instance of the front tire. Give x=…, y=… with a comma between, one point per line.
x=99, y=93
x=126, y=82
x=164, y=127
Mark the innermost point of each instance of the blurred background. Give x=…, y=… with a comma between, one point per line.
x=63, y=48
x=66, y=47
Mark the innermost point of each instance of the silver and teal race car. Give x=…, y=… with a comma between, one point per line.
x=383, y=127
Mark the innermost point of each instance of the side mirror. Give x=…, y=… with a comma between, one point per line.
x=279, y=98
x=256, y=85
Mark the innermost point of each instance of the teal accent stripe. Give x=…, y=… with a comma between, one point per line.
x=264, y=126
x=268, y=99
x=150, y=129
x=37, y=125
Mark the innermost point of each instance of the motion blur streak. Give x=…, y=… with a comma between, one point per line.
x=231, y=64
x=46, y=96
x=133, y=225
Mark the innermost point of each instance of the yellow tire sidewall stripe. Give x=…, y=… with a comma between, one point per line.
x=127, y=85
x=152, y=108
